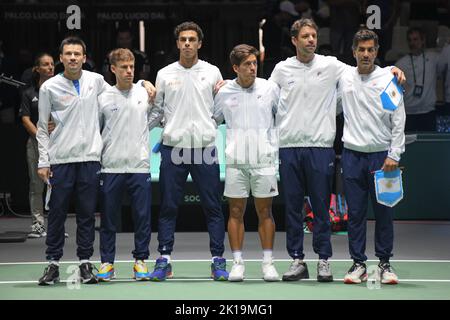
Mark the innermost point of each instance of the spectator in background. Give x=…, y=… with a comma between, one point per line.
x=43, y=70
x=345, y=18
x=444, y=64
x=277, y=37
x=421, y=71
x=9, y=97
x=124, y=39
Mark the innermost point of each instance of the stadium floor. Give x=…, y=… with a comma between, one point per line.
x=421, y=260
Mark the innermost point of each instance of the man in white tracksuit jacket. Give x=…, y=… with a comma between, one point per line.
x=185, y=93
x=69, y=157
x=248, y=106
x=306, y=119
x=373, y=139
x=125, y=120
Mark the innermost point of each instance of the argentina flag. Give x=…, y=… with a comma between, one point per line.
x=388, y=187
x=392, y=95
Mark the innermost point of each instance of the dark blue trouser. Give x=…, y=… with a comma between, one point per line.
x=112, y=187
x=206, y=178
x=81, y=178
x=358, y=184
x=307, y=170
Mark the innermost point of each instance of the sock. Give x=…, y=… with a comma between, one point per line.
x=167, y=256
x=237, y=255
x=84, y=261
x=212, y=259
x=267, y=255
x=298, y=260
x=55, y=262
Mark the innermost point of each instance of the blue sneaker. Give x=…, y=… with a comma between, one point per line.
x=219, y=269
x=163, y=270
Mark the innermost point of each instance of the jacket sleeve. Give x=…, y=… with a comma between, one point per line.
x=156, y=112
x=218, y=108
x=398, y=119
x=42, y=134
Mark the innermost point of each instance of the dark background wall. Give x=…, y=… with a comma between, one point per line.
x=26, y=29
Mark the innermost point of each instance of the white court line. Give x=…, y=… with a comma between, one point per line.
x=209, y=279
x=209, y=260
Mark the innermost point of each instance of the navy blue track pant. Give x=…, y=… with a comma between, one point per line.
x=112, y=187
x=206, y=178
x=82, y=179
x=358, y=184
x=311, y=170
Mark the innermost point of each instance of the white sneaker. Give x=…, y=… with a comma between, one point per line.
x=269, y=272
x=237, y=271
x=387, y=275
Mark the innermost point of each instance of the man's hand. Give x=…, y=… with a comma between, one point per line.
x=389, y=165
x=50, y=126
x=219, y=85
x=399, y=75
x=44, y=174
x=151, y=90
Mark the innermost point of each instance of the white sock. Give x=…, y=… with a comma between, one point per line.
x=237, y=255
x=84, y=261
x=267, y=255
x=167, y=256
x=55, y=262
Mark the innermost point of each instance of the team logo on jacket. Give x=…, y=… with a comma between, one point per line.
x=272, y=189
x=34, y=99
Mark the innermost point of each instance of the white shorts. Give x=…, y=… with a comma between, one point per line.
x=262, y=182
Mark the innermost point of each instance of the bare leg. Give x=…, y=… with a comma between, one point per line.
x=236, y=222
x=266, y=225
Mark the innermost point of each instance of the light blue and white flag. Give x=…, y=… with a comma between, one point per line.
x=388, y=187
x=392, y=95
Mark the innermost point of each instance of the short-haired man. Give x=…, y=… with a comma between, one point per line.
x=421, y=70
x=185, y=93
x=306, y=119
x=69, y=157
x=125, y=116
x=373, y=139
x=248, y=106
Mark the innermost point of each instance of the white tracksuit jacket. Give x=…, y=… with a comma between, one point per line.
x=125, y=125
x=76, y=137
x=367, y=126
x=252, y=139
x=186, y=96
x=306, y=114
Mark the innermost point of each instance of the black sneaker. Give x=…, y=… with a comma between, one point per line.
x=51, y=275
x=87, y=275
